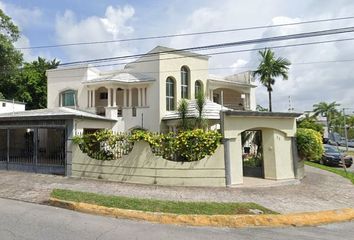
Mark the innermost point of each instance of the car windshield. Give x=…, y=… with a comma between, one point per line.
x=329, y=149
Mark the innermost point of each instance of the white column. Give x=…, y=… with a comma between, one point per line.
x=130, y=103
x=143, y=97
x=93, y=96
x=222, y=98
x=124, y=97
x=139, y=97
x=109, y=100
x=88, y=98
x=114, y=97
x=211, y=95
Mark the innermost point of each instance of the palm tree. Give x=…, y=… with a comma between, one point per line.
x=327, y=110
x=183, y=111
x=269, y=69
x=200, y=104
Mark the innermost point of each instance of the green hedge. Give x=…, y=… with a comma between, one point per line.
x=190, y=145
x=309, y=144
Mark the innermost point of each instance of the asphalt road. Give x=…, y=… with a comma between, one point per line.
x=20, y=220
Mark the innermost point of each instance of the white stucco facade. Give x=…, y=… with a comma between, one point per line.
x=135, y=96
x=8, y=106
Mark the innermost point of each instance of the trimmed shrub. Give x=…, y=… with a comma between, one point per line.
x=191, y=145
x=309, y=144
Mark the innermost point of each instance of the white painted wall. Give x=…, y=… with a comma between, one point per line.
x=159, y=67
x=7, y=106
x=62, y=79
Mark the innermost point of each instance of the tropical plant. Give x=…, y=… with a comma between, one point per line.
x=183, y=111
x=310, y=123
x=327, y=110
x=190, y=145
x=200, y=104
x=269, y=69
x=309, y=144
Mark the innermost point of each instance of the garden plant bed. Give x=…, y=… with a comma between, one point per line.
x=150, y=205
x=339, y=171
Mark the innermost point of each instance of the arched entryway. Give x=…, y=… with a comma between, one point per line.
x=252, y=153
x=277, y=137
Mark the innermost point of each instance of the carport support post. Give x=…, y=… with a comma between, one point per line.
x=8, y=148
x=227, y=159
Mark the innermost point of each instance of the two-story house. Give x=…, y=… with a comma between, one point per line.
x=146, y=92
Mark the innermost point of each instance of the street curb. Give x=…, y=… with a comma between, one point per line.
x=233, y=221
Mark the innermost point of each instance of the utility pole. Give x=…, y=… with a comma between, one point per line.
x=345, y=130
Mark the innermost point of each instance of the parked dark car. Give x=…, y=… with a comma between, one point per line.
x=332, y=157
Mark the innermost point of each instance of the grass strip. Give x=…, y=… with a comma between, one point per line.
x=349, y=175
x=151, y=205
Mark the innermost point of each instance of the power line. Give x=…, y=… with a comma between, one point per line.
x=186, y=34
x=224, y=52
x=221, y=68
x=224, y=45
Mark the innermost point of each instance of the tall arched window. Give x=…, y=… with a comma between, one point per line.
x=68, y=98
x=184, y=82
x=170, y=94
x=198, y=88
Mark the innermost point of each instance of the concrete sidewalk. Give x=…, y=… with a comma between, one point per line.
x=320, y=190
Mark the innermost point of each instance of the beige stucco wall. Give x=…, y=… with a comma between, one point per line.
x=142, y=166
x=62, y=79
x=172, y=68
x=277, y=148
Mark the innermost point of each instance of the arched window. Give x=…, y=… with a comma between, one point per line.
x=68, y=98
x=184, y=82
x=170, y=94
x=198, y=88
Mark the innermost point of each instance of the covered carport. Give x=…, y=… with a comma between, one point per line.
x=40, y=140
x=278, y=131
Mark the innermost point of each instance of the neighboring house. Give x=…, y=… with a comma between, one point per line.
x=146, y=93
x=8, y=106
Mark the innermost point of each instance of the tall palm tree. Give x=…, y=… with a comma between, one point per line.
x=269, y=69
x=327, y=110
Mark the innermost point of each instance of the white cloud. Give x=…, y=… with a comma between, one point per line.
x=308, y=83
x=113, y=26
x=21, y=16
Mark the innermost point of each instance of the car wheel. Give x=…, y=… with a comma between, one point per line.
x=348, y=165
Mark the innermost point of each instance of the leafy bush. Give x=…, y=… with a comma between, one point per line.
x=191, y=145
x=310, y=123
x=309, y=144
x=195, y=144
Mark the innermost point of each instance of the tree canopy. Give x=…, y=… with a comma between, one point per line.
x=10, y=58
x=328, y=110
x=32, y=83
x=19, y=80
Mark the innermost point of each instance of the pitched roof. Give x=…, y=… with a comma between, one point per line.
x=211, y=111
x=52, y=113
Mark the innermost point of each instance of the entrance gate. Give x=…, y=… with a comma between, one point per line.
x=40, y=150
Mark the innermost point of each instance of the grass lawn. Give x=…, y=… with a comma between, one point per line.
x=208, y=208
x=350, y=153
x=339, y=171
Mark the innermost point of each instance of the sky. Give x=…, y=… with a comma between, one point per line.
x=311, y=78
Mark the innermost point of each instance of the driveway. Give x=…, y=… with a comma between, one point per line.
x=319, y=190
